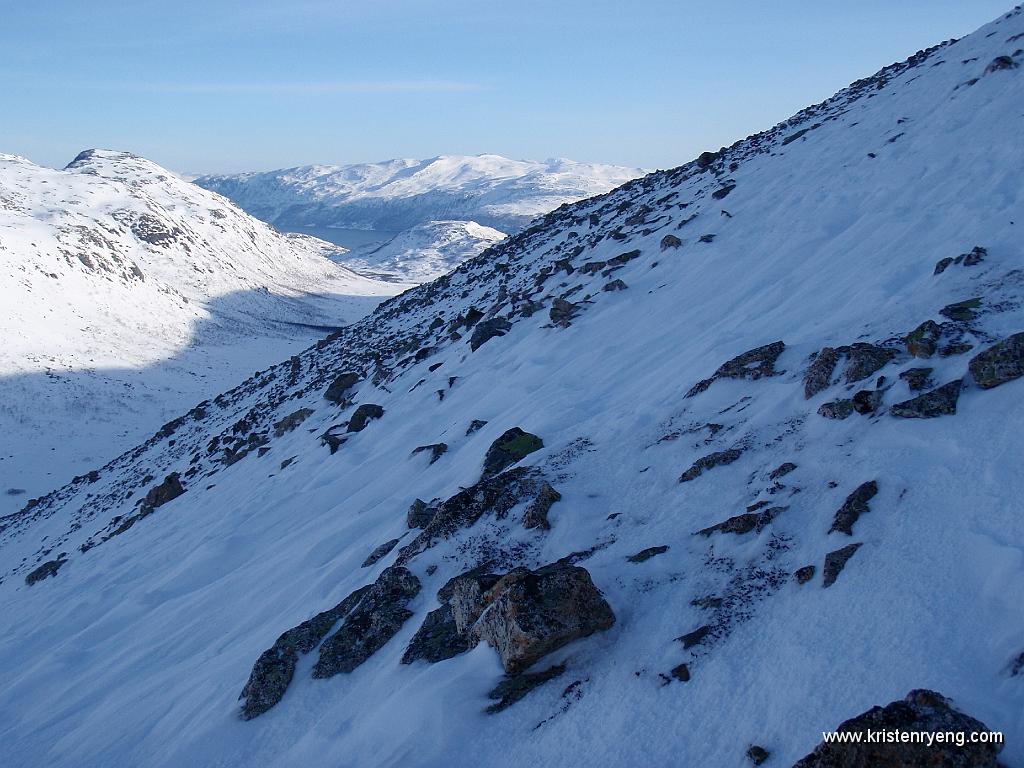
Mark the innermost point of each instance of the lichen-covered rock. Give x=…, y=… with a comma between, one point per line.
x=837, y=409
x=437, y=639
x=512, y=689
x=46, y=570
x=866, y=401
x=941, y=401
x=835, y=562
x=377, y=618
x=917, y=379
x=171, y=488
x=529, y=614
x=962, y=311
x=291, y=421
x=745, y=523
x=379, y=552
x=819, y=373
x=562, y=312
x=487, y=330
x=1000, y=363
x=717, y=459
x=536, y=514
x=437, y=450
x=861, y=361
x=363, y=415
x=922, y=711
x=614, y=285
x=753, y=364
x=419, y=514
x=465, y=594
x=670, y=241
x=513, y=445
x=339, y=389
x=924, y=340
x=856, y=504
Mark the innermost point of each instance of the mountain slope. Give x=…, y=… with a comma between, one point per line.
x=394, y=195
x=129, y=295
x=637, y=335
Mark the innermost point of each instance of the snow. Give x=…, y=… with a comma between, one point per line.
x=135, y=652
x=107, y=336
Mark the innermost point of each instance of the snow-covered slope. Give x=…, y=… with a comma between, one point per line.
x=615, y=331
x=394, y=195
x=423, y=252
x=128, y=295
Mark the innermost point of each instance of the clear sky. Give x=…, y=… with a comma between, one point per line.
x=230, y=85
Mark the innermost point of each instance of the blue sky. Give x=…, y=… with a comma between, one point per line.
x=229, y=85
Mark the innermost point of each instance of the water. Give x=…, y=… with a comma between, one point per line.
x=347, y=238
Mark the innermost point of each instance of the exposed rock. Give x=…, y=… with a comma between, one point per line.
x=363, y=415
x=512, y=689
x=529, y=614
x=1000, y=62
x=862, y=361
x=837, y=409
x=722, y=192
x=513, y=445
x=745, y=523
x=274, y=669
x=757, y=754
x=646, y=554
x=670, y=241
x=975, y=257
x=951, y=350
x=624, y=258
x=805, y=574
x=335, y=437
x=474, y=426
x=962, y=311
x=819, y=373
x=379, y=552
x=615, y=285
x=465, y=594
x=917, y=378
x=856, y=504
x=158, y=495
x=942, y=264
x=941, y=401
x=866, y=401
x=437, y=450
x=712, y=460
x=377, y=618
x=921, y=711
x=782, y=470
x=835, y=562
x=536, y=514
x=924, y=340
x=339, y=389
x=1017, y=665
x=705, y=159
x=562, y=312
x=1000, y=363
x=751, y=365
x=437, y=639
x=681, y=673
x=46, y=570
x=291, y=421
x=690, y=639
x=487, y=330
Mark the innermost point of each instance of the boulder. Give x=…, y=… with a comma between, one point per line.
x=46, y=570
x=562, y=312
x=691, y=639
x=757, y=754
x=866, y=401
x=437, y=639
x=512, y=689
x=378, y=553
x=962, y=311
x=921, y=712
x=941, y=401
x=745, y=523
x=487, y=330
x=862, y=361
x=536, y=514
x=670, y=241
x=437, y=450
x=339, y=389
x=835, y=562
x=646, y=554
x=363, y=415
x=335, y=437
x=291, y=421
x=917, y=379
x=513, y=445
x=158, y=495
x=924, y=340
x=819, y=373
x=805, y=574
x=1000, y=363
x=474, y=426
x=782, y=470
x=465, y=594
x=529, y=614
x=837, y=409
x=753, y=364
x=614, y=285
x=856, y=504
x=419, y=514
x=717, y=459
x=681, y=673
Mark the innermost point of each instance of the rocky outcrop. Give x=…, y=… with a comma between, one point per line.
x=962, y=311
x=712, y=460
x=363, y=415
x=835, y=562
x=856, y=504
x=646, y=554
x=862, y=361
x=512, y=689
x=976, y=256
x=379, y=552
x=921, y=712
x=171, y=488
x=339, y=389
x=924, y=340
x=335, y=437
x=291, y=421
x=437, y=450
x=487, y=330
x=377, y=618
x=1000, y=363
x=513, y=445
x=941, y=401
x=529, y=614
x=753, y=364
x=46, y=570
x=614, y=285
x=670, y=241
x=536, y=514
x=836, y=409
x=745, y=523
x=918, y=379
x=419, y=514
x=439, y=638
x=562, y=312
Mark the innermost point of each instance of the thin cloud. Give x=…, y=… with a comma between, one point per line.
x=300, y=88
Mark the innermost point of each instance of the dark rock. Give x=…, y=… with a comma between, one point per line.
x=624, y=258
x=291, y=421
x=917, y=378
x=513, y=445
x=705, y=159
x=837, y=409
x=615, y=285
x=273, y=671
x=757, y=754
x=379, y=552
x=363, y=415
x=474, y=426
x=835, y=562
x=782, y=470
x=942, y=264
x=377, y=618
x=437, y=639
x=592, y=267
x=717, y=459
x=487, y=330
x=512, y=689
x=924, y=340
x=1000, y=62
x=706, y=238
x=437, y=450
x=338, y=391
x=941, y=401
x=745, y=523
x=962, y=311
x=536, y=514
x=647, y=554
x=951, y=350
x=722, y=192
x=819, y=372
x=46, y=570
x=1000, y=363
x=690, y=639
x=465, y=594
x=681, y=673
x=562, y=312
x=856, y=504
x=864, y=360
x=866, y=401
x=751, y=365
x=1017, y=665
x=419, y=514
x=158, y=495
x=921, y=711
x=670, y=241
x=335, y=437
x=975, y=257
x=805, y=574
x=529, y=614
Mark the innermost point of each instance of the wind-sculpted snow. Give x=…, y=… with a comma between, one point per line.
x=740, y=618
